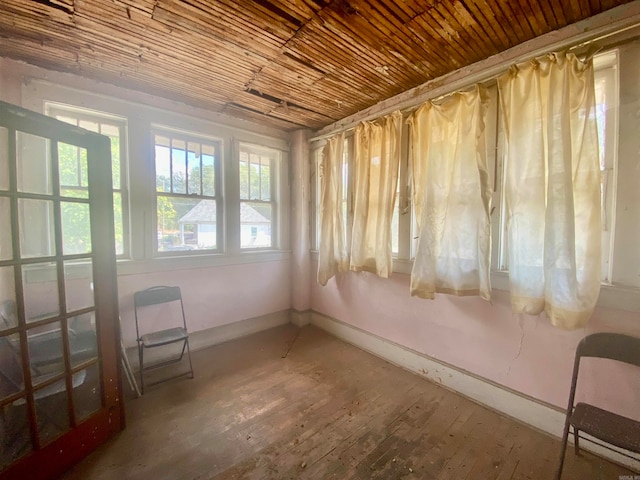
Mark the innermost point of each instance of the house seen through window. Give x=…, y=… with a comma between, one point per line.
x=257, y=203
x=187, y=203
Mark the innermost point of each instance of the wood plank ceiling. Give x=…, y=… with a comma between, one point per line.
x=286, y=64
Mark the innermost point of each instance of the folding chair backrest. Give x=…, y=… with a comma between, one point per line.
x=614, y=346
x=155, y=295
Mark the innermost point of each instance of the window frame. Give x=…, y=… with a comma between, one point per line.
x=273, y=202
x=614, y=294
x=158, y=130
x=56, y=109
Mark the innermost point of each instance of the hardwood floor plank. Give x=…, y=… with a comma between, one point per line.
x=327, y=410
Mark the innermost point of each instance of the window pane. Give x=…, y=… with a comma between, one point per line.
x=78, y=280
x=115, y=160
x=8, y=312
x=118, y=222
x=40, y=286
x=194, y=168
x=265, y=179
x=163, y=165
x=72, y=165
x=244, y=175
x=33, y=166
x=4, y=159
x=16, y=432
x=6, y=247
x=76, y=228
x=179, y=166
x=254, y=177
x=36, y=228
x=87, y=396
x=46, y=355
x=255, y=224
x=186, y=224
x=208, y=170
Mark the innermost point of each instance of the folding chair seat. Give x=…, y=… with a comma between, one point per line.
x=611, y=428
x=158, y=338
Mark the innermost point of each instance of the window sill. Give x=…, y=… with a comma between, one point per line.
x=183, y=262
x=616, y=297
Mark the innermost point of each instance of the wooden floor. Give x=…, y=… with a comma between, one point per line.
x=327, y=410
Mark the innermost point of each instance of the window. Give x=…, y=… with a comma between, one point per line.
x=257, y=167
x=617, y=95
x=606, y=92
x=73, y=175
x=606, y=87
x=188, y=205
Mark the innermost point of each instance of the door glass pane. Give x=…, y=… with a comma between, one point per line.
x=83, y=344
x=8, y=314
x=40, y=286
x=78, y=279
x=6, y=249
x=11, y=378
x=73, y=170
x=52, y=411
x=46, y=355
x=36, y=228
x=87, y=395
x=33, y=165
x=4, y=159
x=15, y=436
x=76, y=228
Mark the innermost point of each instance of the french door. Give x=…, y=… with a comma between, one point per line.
x=60, y=394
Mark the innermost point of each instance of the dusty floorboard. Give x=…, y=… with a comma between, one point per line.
x=327, y=410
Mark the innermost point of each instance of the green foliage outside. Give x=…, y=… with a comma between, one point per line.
x=76, y=227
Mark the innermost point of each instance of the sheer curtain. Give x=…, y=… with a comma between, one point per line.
x=376, y=161
x=452, y=197
x=552, y=188
x=332, y=254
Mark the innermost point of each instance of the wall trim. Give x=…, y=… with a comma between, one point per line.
x=300, y=319
x=214, y=336
x=535, y=413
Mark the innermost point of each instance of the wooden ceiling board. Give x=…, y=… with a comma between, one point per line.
x=284, y=63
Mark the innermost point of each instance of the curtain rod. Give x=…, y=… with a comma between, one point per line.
x=469, y=77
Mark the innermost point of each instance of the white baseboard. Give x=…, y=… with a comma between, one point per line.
x=213, y=336
x=525, y=409
x=300, y=319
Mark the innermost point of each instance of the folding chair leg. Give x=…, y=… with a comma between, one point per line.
x=141, y=366
x=563, y=449
x=576, y=441
x=189, y=356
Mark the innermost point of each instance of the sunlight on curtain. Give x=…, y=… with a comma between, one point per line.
x=376, y=161
x=452, y=197
x=332, y=254
x=552, y=188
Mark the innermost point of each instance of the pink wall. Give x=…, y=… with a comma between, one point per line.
x=214, y=296
x=520, y=352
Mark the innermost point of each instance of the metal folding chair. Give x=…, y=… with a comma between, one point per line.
x=613, y=429
x=153, y=339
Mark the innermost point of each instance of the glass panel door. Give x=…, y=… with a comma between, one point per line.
x=59, y=384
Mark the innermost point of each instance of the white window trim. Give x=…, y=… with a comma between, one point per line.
x=141, y=172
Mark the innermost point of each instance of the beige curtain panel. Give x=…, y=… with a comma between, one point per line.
x=332, y=255
x=376, y=161
x=552, y=188
x=452, y=197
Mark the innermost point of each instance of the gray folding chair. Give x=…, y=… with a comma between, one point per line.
x=153, y=339
x=609, y=427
